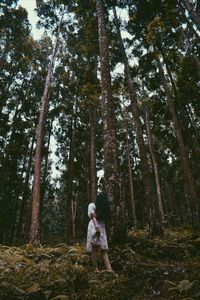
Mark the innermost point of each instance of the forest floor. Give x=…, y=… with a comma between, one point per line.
x=167, y=268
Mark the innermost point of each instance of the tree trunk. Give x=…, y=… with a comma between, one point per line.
x=36, y=194
x=74, y=210
x=19, y=201
x=155, y=166
x=193, y=14
x=193, y=200
x=46, y=165
x=130, y=174
x=111, y=156
x=69, y=217
x=93, y=171
x=155, y=225
x=19, y=225
x=174, y=215
x=193, y=122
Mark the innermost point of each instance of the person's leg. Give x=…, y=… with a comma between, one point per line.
x=106, y=261
x=94, y=257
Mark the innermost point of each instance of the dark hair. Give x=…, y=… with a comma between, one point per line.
x=102, y=207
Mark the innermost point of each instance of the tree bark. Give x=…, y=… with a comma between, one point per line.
x=130, y=174
x=19, y=225
x=111, y=156
x=36, y=193
x=155, y=166
x=44, y=177
x=93, y=171
x=69, y=217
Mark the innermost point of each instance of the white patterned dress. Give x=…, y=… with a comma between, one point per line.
x=91, y=238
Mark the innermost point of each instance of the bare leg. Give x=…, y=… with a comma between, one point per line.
x=106, y=261
x=94, y=257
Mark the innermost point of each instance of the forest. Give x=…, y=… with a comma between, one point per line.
x=107, y=100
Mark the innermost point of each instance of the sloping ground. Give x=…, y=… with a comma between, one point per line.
x=167, y=268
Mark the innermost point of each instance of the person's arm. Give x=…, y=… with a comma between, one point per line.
x=96, y=225
x=95, y=220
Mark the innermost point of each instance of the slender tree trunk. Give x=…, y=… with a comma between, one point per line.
x=19, y=224
x=45, y=173
x=74, y=210
x=46, y=165
x=19, y=201
x=130, y=173
x=88, y=198
x=193, y=14
x=36, y=194
x=193, y=122
x=141, y=204
x=155, y=224
x=155, y=166
x=133, y=209
x=69, y=217
x=169, y=73
x=174, y=213
x=111, y=156
x=193, y=200
x=93, y=171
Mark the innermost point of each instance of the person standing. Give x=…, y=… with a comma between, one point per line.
x=99, y=213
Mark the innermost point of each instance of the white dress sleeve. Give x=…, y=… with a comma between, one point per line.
x=91, y=209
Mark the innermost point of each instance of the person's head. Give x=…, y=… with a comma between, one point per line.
x=102, y=207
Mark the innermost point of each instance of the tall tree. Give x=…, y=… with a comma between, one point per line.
x=111, y=158
x=36, y=193
x=154, y=163
x=70, y=174
x=130, y=172
x=93, y=172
